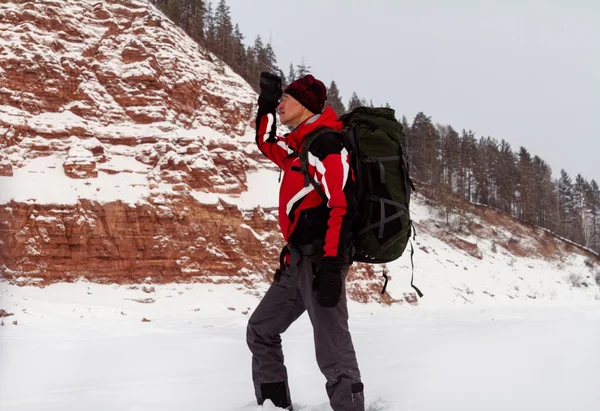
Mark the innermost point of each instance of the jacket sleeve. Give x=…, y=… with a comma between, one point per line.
x=272, y=146
x=331, y=159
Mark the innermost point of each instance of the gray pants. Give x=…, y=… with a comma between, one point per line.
x=334, y=350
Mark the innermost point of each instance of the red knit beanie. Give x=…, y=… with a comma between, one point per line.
x=309, y=92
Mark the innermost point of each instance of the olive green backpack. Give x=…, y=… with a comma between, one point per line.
x=377, y=144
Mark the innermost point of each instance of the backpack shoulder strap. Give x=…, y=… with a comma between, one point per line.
x=309, y=179
x=312, y=137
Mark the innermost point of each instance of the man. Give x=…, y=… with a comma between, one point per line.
x=315, y=262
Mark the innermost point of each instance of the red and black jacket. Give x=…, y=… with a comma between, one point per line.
x=303, y=215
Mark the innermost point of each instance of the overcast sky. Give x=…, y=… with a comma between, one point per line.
x=525, y=71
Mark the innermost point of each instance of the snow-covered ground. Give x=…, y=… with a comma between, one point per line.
x=494, y=332
x=84, y=346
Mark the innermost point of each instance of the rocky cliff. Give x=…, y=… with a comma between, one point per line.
x=125, y=151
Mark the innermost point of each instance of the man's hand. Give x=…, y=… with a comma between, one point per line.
x=270, y=92
x=329, y=282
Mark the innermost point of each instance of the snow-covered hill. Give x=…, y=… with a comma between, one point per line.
x=127, y=157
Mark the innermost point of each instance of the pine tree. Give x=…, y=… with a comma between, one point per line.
x=450, y=142
x=334, y=100
x=545, y=195
x=214, y=29
x=468, y=157
x=161, y=5
x=192, y=19
x=426, y=140
x=265, y=60
x=239, y=60
x=302, y=69
x=252, y=76
x=281, y=74
x=223, y=46
x=186, y=11
x=484, y=171
x=589, y=215
x=292, y=74
x=173, y=11
x=354, y=102
x=566, y=211
x=404, y=123
x=594, y=201
x=580, y=207
x=210, y=30
x=407, y=139
x=525, y=186
x=262, y=61
x=506, y=178
x=271, y=60
x=197, y=24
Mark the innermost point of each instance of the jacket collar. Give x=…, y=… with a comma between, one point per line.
x=328, y=119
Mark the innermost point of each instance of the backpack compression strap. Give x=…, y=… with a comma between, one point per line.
x=412, y=275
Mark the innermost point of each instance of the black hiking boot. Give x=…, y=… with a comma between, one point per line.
x=277, y=392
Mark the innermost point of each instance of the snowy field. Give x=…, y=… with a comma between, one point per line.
x=84, y=347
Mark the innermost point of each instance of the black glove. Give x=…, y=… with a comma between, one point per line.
x=328, y=282
x=270, y=92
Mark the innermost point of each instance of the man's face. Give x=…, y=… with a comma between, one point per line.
x=291, y=112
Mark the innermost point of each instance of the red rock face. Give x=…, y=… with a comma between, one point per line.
x=120, y=243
